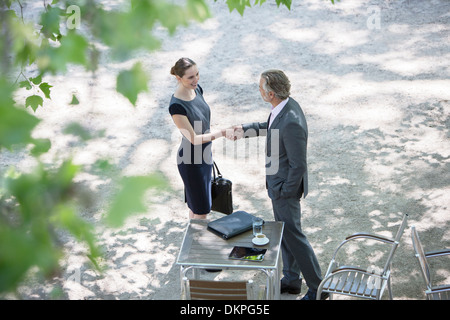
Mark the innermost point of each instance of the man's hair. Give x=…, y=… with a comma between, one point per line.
x=277, y=82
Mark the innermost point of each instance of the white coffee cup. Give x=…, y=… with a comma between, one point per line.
x=260, y=239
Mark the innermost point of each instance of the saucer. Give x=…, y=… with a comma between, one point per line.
x=260, y=241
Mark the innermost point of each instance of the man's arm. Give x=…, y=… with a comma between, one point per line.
x=294, y=139
x=250, y=130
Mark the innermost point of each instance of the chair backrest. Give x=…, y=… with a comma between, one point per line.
x=396, y=242
x=420, y=254
x=217, y=290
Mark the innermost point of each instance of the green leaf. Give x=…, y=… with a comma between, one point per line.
x=16, y=124
x=77, y=130
x=34, y=102
x=50, y=21
x=102, y=166
x=131, y=82
x=36, y=80
x=8, y=3
x=74, y=100
x=125, y=32
x=73, y=49
x=17, y=255
x=45, y=87
x=24, y=40
x=25, y=84
x=129, y=200
x=239, y=5
x=40, y=146
x=198, y=10
x=67, y=218
x=287, y=3
x=171, y=16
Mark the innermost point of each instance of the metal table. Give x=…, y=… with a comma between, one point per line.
x=202, y=249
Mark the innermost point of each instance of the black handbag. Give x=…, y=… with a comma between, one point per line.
x=221, y=194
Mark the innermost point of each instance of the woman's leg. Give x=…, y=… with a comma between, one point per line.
x=196, y=216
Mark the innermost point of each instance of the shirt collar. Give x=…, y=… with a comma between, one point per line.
x=276, y=110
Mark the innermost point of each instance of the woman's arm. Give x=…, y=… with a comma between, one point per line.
x=188, y=132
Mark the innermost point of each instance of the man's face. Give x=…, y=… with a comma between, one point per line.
x=266, y=96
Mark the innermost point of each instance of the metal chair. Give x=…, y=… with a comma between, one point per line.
x=217, y=290
x=358, y=282
x=441, y=292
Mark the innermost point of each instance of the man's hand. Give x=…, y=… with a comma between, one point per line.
x=235, y=132
x=238, y=132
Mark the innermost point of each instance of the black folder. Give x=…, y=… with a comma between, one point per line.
x=232, y=225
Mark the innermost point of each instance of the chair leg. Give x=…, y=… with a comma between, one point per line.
x=319, y=290
x=390, y=289
x=318, y=293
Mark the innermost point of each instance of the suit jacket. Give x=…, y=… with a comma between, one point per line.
x=286, y=144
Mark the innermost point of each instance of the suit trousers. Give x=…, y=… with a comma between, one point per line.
x=297, y=253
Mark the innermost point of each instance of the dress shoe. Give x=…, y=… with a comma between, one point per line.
x=311, y=295
x=290, y=288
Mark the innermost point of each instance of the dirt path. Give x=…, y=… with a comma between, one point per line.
x=373, y=80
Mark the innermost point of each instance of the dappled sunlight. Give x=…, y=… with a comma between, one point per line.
x=248, y=45
x=435, y=215
x=238, y=74
x=339, y=38
x=291, y=30
x=403, y=63
x=138, y=267
x=151, y=152
x=337, y=181
x=201, y=46
x=442, y=273
x=377, y=106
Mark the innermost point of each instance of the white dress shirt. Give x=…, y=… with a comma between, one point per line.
x=276, y=111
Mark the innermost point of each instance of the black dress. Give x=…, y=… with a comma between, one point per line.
x=195, y=161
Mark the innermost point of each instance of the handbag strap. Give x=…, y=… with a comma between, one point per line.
x=219, y=175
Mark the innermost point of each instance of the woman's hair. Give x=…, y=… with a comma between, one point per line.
x=277, y=82
x=180, y=67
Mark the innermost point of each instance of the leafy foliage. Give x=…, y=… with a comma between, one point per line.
x=39, y=202
x=241, y=5
x=131, y=82
x=36, y=204
x=129, y=198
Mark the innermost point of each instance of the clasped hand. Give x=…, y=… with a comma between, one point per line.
x=235, y=132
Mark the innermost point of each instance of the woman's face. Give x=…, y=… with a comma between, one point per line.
x=190, y=78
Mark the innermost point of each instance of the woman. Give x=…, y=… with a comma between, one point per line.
x=192, y=115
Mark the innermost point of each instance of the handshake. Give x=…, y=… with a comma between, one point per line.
x=233, y=133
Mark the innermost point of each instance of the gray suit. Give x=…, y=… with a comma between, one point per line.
x=286, y=181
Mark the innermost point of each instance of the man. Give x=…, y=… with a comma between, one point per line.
x=286, y=178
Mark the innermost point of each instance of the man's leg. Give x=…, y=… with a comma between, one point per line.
x=298, y=255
